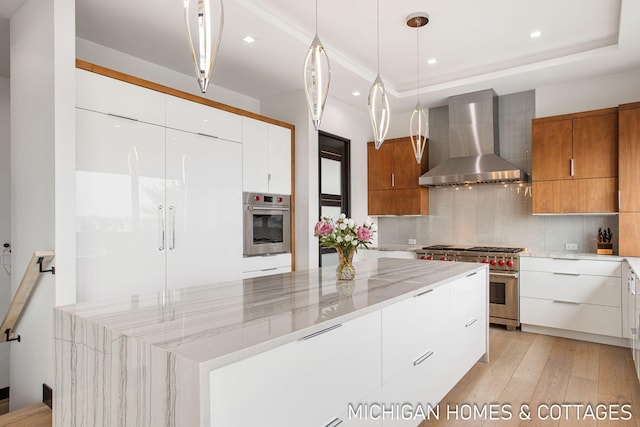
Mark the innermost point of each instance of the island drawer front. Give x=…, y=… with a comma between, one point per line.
x=408, y=329
x=598, y=290
x=594, y=319
x=571, y=266
x=309, y=379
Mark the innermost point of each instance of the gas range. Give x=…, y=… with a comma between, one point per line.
x=499, y=258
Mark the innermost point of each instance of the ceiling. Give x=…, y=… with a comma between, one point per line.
x=477, y=44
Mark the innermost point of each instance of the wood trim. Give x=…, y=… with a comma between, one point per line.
x=631, y=106
x=127, y=78
x=107, y=72
x=576, y=115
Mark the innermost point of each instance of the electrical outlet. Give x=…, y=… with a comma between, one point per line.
x=412, y=241
x=571, y=246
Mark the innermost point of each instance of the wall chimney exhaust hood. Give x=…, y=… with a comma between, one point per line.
x=473, y=145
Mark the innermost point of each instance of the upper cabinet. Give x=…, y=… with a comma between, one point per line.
x=393, y=179
x=266, y=157
x=110, y=96
x=201, y=119
x=629, y=226
x=575, y=162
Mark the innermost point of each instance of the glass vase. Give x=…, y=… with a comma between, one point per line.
x=345, y=270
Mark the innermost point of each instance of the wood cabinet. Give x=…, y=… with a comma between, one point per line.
x=629, y=149
x=393, y=179
x=575, y=162
x=572, y=294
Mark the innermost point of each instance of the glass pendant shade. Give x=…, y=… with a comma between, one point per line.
x=317, y=76
x=208, y=39
x=419, y=131
x=379, y=111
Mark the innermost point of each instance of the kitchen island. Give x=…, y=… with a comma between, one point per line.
x=293, y=349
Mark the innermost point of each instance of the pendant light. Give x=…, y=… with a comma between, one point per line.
x=378, y=101
x=317, y=76
x=207, y=42
x=418, y=126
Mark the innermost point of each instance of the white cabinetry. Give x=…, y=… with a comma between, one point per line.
x=310, y=379
x=200, y=119
x=468, y=320
x=258, y=266
x=581, y=295
x=266, y=157
x=156, y=207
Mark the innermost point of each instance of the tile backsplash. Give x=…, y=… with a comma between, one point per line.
x=493, y=214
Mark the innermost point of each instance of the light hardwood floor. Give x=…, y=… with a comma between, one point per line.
x=539, y=370
x=38, y=415
x=4, y=406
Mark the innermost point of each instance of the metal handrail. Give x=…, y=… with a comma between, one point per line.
x=29, y=280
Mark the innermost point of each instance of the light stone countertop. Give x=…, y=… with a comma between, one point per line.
x=397, y=247
x=218, y=324
x=538, y=253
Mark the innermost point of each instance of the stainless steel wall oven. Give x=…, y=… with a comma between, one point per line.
x=267, y=224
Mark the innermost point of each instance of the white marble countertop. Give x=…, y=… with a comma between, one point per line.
x=218, y=324
x=539, y=253
x=398, y=247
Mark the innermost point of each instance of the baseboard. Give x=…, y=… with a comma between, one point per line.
x=47, y=396
x=581, y=336
x=4, y=393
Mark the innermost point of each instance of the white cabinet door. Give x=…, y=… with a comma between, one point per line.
x=120, y=201
x=106, y=95
x=266, y=157
x=469, y=302
x=198, y=118
x=279, y=160
x=204, y=209
x=255, y=156
x=308, y=382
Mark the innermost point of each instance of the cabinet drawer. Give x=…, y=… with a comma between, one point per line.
x=106, y=95
x=570, y=265
x=594, y=319
x=312, y=380
x=260, y=263
x=198, y=118
x=579, y=288
x=412, y=327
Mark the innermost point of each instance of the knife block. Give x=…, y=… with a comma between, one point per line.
x=604, y=248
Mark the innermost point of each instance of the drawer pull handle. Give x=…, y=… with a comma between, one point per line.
x=320, y=332
x=472, y=274
x=423, y=293
x=334, y=422
x=567, y=259
x=470, y=322
x=566, y=302
x=207, y=135
x=123, y=117
x=566, y=274
x=422, y=358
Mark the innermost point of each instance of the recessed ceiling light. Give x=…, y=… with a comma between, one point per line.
x=248, y=39
x=432, y=61
x=535, y=34
x=355, y=93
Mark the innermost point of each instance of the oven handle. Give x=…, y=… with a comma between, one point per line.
x=514, y=275
x=269, y=208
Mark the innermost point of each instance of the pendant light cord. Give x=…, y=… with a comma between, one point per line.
x=316, y=17
x=378, y=32
x=418, y=58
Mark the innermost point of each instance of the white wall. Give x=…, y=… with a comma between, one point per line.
x=338, y=119
x=5, y=219
x=42, y=179
x=106, y=57
x=590, y=94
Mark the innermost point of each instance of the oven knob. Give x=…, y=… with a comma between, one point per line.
x=280, y=199
x=501, y=263
x=429, y=257
x=423, y=257
x=485, y=261
x=443, y=259
x=257, y=198
x=492, y=262
x=509, y=263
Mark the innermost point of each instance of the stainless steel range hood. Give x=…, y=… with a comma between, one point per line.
x=473, y=145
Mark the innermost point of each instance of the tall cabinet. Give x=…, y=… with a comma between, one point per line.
x=629, y=219
x=158, y=191
x=393, y=179
x=575, y=162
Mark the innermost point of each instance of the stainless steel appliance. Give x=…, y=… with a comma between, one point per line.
x=504, y=286
x=267, y=224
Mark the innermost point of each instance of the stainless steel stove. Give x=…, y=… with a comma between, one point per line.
x=504, y=288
